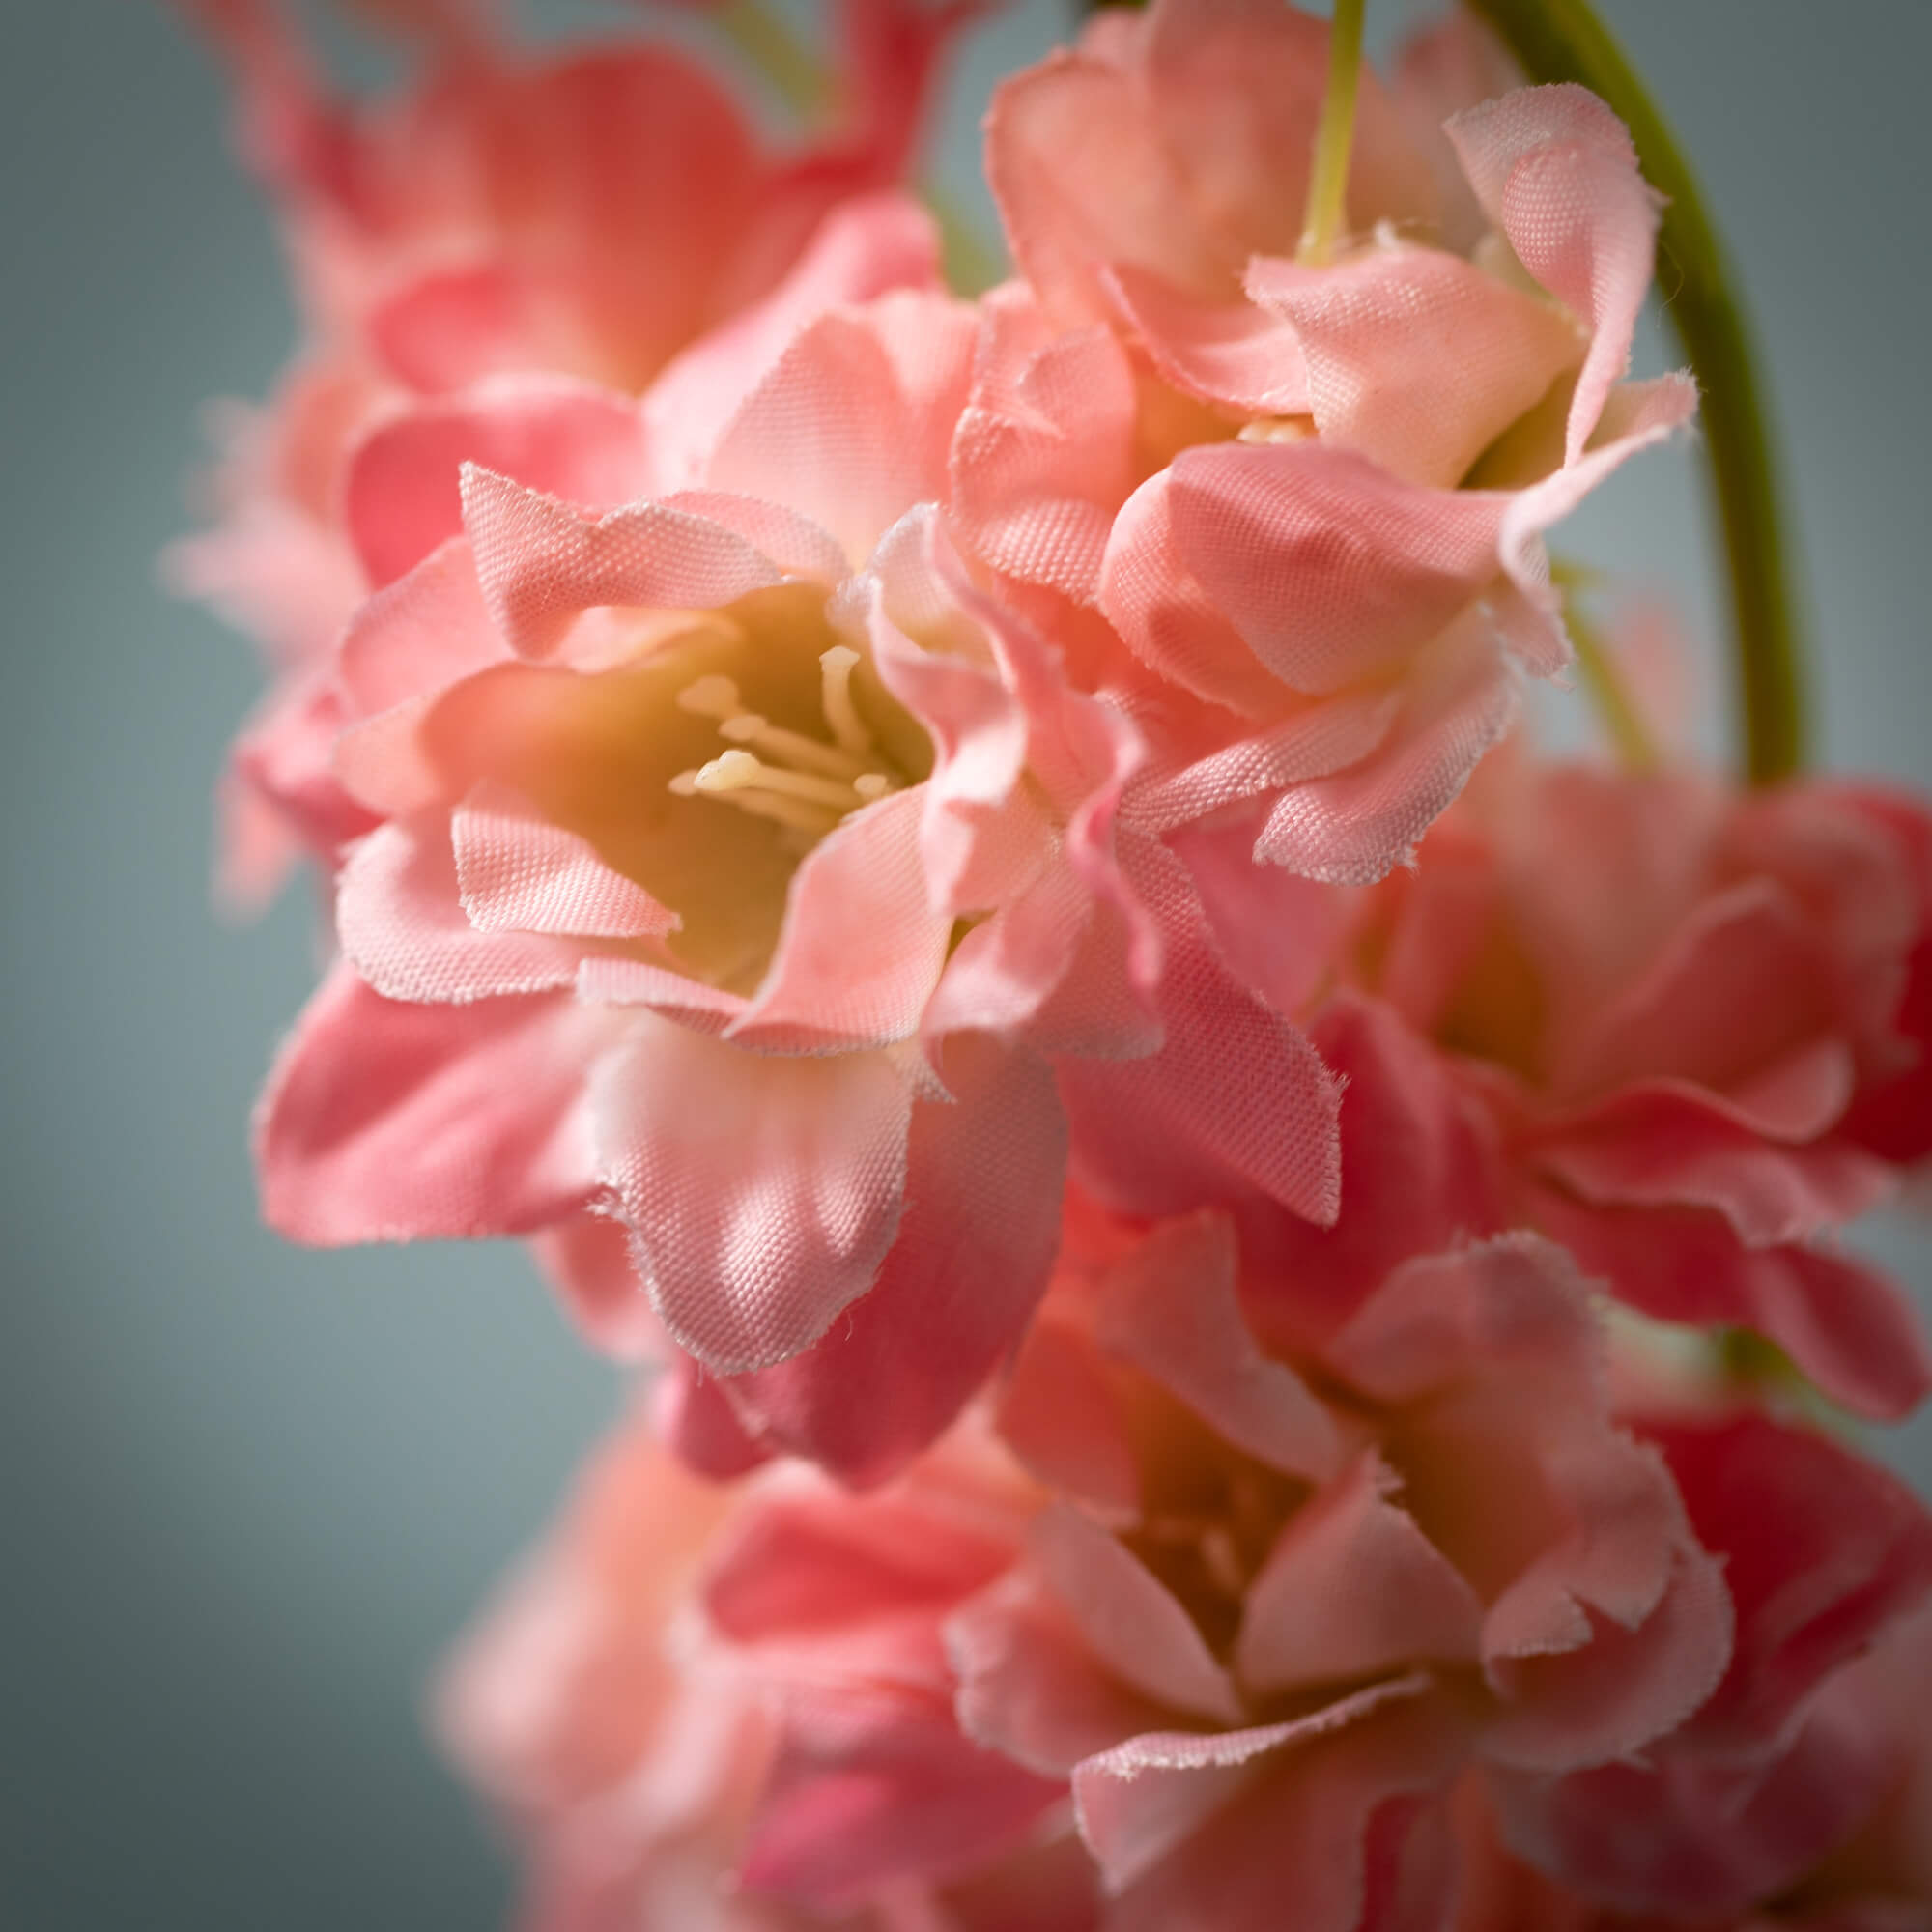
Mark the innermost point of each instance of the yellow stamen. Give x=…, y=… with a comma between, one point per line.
x=835, y=695
x=735, y=771
x=790, y=748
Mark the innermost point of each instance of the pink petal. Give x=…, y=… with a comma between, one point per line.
x=764, y=1193
x=1172, y=1309
x=1131, y=1622
x=953, y=1294
x=1235, y=1097
x=541, y=563
x=1238, y=354
x=518, y=873
x=1059, y=1415
x=863, y=248
x=1378, y=330
x=587, y=1261
x=822, y=995
x=1555, y=170
x=1043, y=453
x=425, y=631
x=401, y=920
x=694, y=1419
x=387, y=1121
x=401, y=497
x=853, y=424
x=1351, y=1589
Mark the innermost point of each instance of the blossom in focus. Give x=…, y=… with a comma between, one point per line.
x=510, y=212
x=1309, y=496
x=1679, y=1027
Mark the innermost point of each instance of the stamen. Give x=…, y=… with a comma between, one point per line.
x=733, y=771
x=795, y=814
x=712, y=696
x=836, y=695
x=871, y=785
x=792, y=747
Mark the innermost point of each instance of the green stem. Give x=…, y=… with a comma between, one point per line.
x=1334, y=137
x=1563, y=40
x=778, y=55
x=1621, y=718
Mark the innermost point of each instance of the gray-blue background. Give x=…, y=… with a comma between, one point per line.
x=249, y=1491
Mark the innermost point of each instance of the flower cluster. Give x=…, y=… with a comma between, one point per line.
x=1235, y=1264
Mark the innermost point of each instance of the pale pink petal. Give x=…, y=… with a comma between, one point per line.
x=1030, y=1686
x=864, y=881
x=400, y=917
x=1240, y=355
x=420, y=634
x=763, y=1193
x=863, y=248
x=401, y=495
x=1059, y=1415
x=516, y=871
x=1555, y=172
x=1380, y=331
x=1351, y=1589
x=541, y=563
x=587, y=1261
x=1235, y=1096
x=384, y=1121
x=1043, y=453
x=854, y=422
x=954, y=1293
x=1173, y=1310
x=1130, y=1620
x=1352, y=827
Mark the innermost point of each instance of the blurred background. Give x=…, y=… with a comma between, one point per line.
x=250, y=1492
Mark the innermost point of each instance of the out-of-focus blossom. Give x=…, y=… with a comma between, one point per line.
x=1680, y=1029
x=1309, y=496
x=510, y=212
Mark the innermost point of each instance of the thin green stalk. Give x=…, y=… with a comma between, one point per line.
x=1563, y=40
x=1334, y=137
x=765, y=39
x=1627, y=730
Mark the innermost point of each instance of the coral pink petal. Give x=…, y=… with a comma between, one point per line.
x=587, y=1261
x=764, y=1193
x=387, y=1121
x=1030, y=1686
x=822, y=994
x=1851, y=1330
x=1043, y=453
x=1235, y=1096
x=1133, y=1623
x=1240, y=355
x=864, y=248
x=541, y=563
x=1555, y=172
x=1197, y=1831
x=1173, y=1310
x=425, y=631
x=518, y=873
x=954, y=1293
x=401, y=497
x=694, y=1419
x=1352, y=827
x=1378, y=330
x=1059, y=1415
x=1350, y=1590
x=854, y=423
x=400, y=917
x=1330, y=569
x=1822, y=1552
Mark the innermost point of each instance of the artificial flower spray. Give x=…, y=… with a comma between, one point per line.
x=1229, y=1265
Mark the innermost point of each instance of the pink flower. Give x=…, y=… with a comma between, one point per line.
x=740, y=860
x=690, y=1683
x=1277, y=1606
x=1679, y=1029
x=1309, y=498
x=507, y=215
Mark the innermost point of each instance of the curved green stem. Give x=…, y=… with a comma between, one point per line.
x=771, y=48
x=1334, y=136
x=1563, y=40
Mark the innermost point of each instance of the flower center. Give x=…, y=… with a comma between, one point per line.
x=805, y=785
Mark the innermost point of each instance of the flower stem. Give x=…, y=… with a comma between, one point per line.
x=1563, y=40
x=1629, y=735
x=1334, y=136
x=777, y=54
